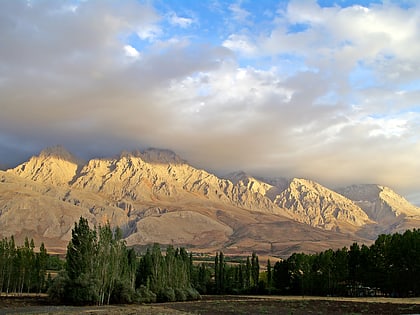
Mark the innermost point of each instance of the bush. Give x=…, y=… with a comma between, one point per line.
x=166, y=295
x=82, y=291
x=56, y=290
x=145, y=295
x=180, y=294
x=123, y=293
x=192, y=294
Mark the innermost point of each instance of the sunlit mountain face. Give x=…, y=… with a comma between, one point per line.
x=156, y=196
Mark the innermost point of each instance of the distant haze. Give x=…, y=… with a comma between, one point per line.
x=317, y=89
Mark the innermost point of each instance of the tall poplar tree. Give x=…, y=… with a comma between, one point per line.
x=269, y=276
x=82, y=287
x=248, y=273
x=255, y=270
x=41, y=263
x=216, y=273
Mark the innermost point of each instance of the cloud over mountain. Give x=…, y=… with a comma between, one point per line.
x=298, y=88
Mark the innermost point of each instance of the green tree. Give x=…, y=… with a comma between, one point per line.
x=20, y=269
x=81, y=263
x=322, y=280
x=41, y=268
x=248, y=273
x=105, y=264
x=380, y=260
x=11, y=267
x=354, y=264
x=216, y=273
x=222, y=272
x=131, y=267
x=167, y=278
x=255, y=271
x=340, y=270
x=201, y=278
x=281, y=277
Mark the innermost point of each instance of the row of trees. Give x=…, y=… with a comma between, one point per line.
x=390, y=266
x=166, y=278
x=21, y=268
x=100, y=269
x=241, y=277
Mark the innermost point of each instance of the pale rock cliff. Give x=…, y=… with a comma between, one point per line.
x=381, y=203
x=55, y=166
x=162, y=176
x=32, y=209
x=278, y=185
x=256, y=193
x=313, y=204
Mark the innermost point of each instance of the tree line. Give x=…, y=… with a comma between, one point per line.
x=166, y=277
x=100, y=269
x=390, y=266
x=22, y=270
x=231, y=278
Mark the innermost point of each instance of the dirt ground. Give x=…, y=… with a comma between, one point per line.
x=225, y=305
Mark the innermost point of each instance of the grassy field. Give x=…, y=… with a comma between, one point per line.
x=226, y=305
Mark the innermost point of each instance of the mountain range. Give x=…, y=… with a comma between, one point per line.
x=155, y=196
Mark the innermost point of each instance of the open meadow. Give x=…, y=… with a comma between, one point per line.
x=225, y=305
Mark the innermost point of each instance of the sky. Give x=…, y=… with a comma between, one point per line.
x=327, y=90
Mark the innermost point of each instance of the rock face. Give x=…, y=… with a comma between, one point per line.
x=318, y=206
x=55, y=166
x=390, y=211
x=156, y=196
x=379, y=202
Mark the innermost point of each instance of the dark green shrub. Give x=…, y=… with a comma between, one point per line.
x=123, y=293
x=56, y=290
x=82, y=291
x=166, y=295
x=192, y=294
x=180, y=294
x=145, y=295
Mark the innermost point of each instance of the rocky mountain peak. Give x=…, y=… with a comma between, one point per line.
x=254, y=185
x=239, y=176
x=280, y=182
x=54, y=165
x=397, y=203
x=301, y=183
x=61, y=153
x=155, y=156
x=380, y=202
x=319, y=206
